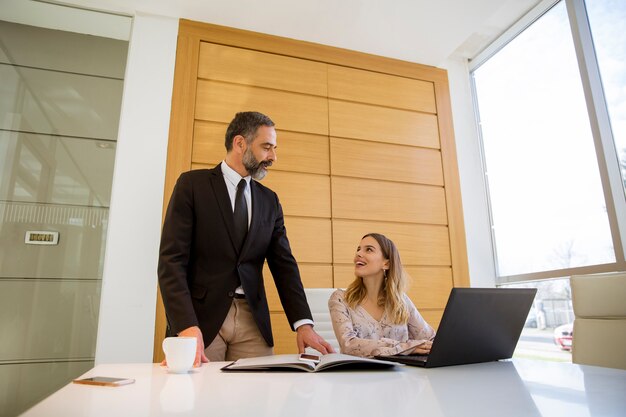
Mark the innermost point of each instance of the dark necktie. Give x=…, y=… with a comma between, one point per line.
x=241, y=215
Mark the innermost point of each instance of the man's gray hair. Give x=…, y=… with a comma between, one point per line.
x=245, y=124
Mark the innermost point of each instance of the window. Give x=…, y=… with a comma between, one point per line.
x=547, y=333
x=546, y=189
x=550, y=100
x=607, y=19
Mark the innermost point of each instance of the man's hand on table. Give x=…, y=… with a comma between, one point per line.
x=201, y=358
x=307, y=337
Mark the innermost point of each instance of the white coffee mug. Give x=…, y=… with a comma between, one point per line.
x=179, y=353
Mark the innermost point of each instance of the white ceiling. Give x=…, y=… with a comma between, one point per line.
x=422, y=31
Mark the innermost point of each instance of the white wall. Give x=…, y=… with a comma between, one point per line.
x=128, y=302
x=475, y=209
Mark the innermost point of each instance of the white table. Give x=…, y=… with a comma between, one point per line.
x=511, y=388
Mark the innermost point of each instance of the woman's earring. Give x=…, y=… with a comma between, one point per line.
x=385, y=273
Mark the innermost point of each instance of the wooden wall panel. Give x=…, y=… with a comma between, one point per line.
x=302, y=152
x=432, y=317
x=313, y=276
x=298, y=152
x=389, y=167
x=418, y=244
x=343, y=274
x=308, y=50
x=243, y=66
x=382, y=89
x=429, y=287
x=362, y=159
x=218, y=102
x=208, y=142
x=202, y=166
x=354, y=198
x=381, y=124
x=301, y=194
x=284, y=337
x=460, y=270
x=310, y=239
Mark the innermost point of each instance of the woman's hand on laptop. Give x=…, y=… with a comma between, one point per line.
x=423, y=349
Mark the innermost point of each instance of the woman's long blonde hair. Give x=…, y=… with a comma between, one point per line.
x=394, y=286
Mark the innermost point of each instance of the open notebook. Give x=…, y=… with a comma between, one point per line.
x=295, y=363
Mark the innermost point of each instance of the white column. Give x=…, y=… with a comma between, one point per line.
x=480, y=253
x=127, y=306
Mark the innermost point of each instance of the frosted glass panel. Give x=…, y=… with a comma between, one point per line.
x=31, y=46
x=24, y=385
x=48, y=319
x=78, y=254
x=60, y=100
x=56, y=169
x=41, y=101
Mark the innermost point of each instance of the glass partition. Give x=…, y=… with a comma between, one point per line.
x=60, y=100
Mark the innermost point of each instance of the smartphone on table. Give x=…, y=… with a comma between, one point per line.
x=104, y=381
x=309, y=358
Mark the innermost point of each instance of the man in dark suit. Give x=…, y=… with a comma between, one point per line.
x=219, y=228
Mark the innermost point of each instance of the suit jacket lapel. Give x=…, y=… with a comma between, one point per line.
x=223, y=201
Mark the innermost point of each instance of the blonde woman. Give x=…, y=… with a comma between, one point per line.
x=374, y=316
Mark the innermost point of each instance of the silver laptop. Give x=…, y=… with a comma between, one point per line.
x=478, y=325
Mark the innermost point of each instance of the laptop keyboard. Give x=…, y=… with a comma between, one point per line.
x=405, y=358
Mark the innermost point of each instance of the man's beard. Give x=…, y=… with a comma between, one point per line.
x=256, y=169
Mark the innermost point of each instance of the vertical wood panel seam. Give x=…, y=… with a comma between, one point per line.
x=330, y=172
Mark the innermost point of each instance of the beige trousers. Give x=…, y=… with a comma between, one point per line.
x=239, y=336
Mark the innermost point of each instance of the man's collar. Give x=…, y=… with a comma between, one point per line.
x=232, y=175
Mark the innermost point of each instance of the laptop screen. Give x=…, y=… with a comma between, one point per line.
x=480, y=325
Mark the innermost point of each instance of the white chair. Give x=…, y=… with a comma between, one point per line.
x=318, y=302
x=600, y=319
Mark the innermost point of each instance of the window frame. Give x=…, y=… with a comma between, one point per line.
x=602, y=134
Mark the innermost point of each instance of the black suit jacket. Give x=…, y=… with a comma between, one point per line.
x=199, y=266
